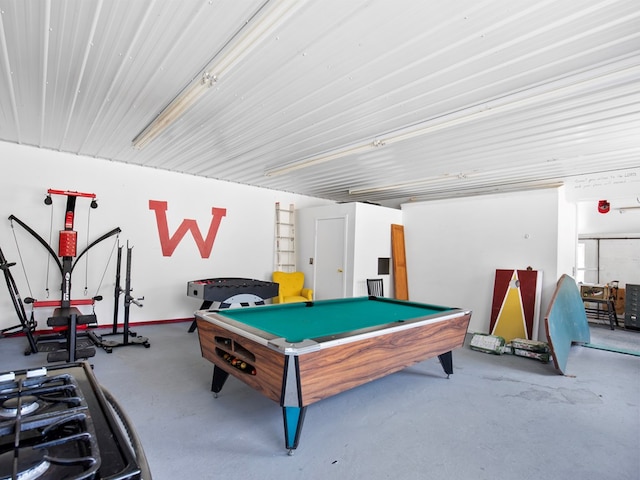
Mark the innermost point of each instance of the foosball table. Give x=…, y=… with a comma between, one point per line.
x=229, y=291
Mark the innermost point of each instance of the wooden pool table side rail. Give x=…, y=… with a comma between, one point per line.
x=269, y=364
x=327, y=372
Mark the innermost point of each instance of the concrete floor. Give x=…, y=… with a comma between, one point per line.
x=496, y=417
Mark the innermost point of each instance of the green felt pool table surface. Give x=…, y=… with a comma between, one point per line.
x=298, y=321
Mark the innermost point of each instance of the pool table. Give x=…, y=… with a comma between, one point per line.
x=299, y=353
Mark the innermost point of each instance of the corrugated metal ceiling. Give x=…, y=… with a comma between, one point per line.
x=490, y=94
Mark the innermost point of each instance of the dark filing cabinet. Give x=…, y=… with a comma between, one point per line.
x=632, y=306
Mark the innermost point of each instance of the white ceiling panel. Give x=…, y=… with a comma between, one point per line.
x=404, y=98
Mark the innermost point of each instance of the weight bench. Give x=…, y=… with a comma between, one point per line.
x=66, y=321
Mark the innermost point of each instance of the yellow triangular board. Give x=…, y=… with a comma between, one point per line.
x=510, y=323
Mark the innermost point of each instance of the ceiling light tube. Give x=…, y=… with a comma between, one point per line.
x=325, y=157
x=510, y=102
x=491, y=189
x=626, y=209
x=170, y=114
x=426, y=181
x=269, y=18
x=477, y=174
x=397, y=186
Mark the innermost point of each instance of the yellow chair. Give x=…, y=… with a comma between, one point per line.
x=291, y=288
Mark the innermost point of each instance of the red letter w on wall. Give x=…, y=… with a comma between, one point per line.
x=169, y=243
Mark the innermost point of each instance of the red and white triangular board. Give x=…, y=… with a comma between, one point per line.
x=515, y=310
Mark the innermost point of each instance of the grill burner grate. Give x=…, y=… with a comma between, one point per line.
x=58, y=425
x=27, y=404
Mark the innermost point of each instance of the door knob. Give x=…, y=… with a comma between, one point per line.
x=339, y=270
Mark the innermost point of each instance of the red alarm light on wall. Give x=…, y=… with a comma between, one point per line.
x=604, y=206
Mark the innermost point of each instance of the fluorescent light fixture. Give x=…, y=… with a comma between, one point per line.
x=324, y=157
x=398, y=186
x=268, y=18
x=486, y=190
x=513, y=175
x=525, y=98
x=457, y=187
x=170, y=114
x=626, y=209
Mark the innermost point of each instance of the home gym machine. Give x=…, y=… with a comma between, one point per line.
x=66, y=318
x=128, y=337
x=26, y=325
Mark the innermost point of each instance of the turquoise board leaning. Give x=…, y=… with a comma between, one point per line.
x=566, y=321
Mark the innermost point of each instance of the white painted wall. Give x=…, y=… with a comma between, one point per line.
x=244, y=246
x=373, y=240
x=611, y=240
x=369, y=237
x=568, y=225
x=621, y=189
x=611, y=246
x=615, y=223
x=455, y=246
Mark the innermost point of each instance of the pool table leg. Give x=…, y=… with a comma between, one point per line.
x=219, y=377
x=293, y=420
x=446, y=359
x=205, y=305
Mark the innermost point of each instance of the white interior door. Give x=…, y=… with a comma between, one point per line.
x=330, y=248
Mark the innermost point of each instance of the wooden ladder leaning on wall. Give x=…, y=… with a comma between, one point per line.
x=285, y=260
